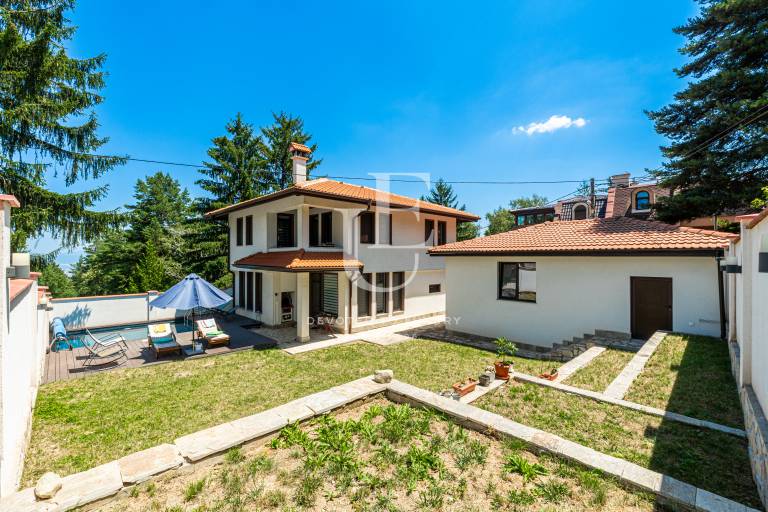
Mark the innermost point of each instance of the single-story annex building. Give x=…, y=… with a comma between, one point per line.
x=549, y=282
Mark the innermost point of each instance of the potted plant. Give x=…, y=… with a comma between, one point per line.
x=551, y=375
x=467, y=386
x=505, y=349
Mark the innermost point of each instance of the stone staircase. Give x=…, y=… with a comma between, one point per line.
x=568, y=349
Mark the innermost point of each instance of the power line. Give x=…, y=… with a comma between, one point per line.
x=395, y=180
x=757, y=114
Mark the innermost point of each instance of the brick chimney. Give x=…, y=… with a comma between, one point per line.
x=299, y=154
x=620, y=180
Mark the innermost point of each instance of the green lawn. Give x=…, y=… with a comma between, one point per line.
x=690, y=375
x=601, y=371
x=84, y=422
x=714, y=461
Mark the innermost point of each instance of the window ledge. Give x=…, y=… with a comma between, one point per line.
x=381, y=315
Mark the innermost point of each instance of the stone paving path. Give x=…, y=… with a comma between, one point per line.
x=621, y=384
x=601, y=397
x=577, y=363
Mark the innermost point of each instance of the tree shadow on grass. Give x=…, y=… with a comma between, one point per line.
x=705, y=389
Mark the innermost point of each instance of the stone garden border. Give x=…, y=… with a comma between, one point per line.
x=621, y=384
x=95, y=486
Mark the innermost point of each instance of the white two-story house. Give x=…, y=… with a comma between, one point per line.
x=324, y=248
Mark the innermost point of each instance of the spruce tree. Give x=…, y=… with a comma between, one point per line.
x=48, y=125
x=717, y=157
x=442, y=193
x=237, y=171
x=274, y=143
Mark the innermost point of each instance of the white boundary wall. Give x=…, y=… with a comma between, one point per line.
x=23, y=341
x=109, y=310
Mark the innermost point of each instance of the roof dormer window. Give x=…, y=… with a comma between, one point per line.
x=642, y=200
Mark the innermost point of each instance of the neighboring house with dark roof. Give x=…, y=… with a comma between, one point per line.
x=545, y=283
x=323, y=248
x=623, y=199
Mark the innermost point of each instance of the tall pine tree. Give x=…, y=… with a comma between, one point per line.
x=48, y=125
x=275, y=139
x=727, y=73
x=442, y=193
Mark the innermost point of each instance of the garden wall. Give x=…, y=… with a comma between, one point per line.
x=109, y=310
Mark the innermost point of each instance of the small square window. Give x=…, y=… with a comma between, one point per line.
x=434, y=288
x=517, y=281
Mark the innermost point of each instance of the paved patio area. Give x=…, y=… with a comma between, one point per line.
x=68, y=364
x=319, y=339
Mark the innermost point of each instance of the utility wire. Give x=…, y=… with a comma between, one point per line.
x=396, y=180
x=757, y=114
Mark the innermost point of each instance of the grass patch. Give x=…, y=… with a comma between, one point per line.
x=690, y=375
x=711, y=460
x=329, y=464
x=81, y=423
x=601, y=371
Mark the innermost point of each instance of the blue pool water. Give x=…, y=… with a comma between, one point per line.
x=129, y=332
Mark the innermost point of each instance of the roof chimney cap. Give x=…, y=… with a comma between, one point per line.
x=620, y=180
x=299, y=150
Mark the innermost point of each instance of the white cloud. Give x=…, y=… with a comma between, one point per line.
x=550, y=125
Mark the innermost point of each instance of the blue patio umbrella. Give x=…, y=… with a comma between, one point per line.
x=191, y=292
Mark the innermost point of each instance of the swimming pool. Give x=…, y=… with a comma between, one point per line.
x=135, y=332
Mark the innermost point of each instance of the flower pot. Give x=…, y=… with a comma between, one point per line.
x=502, y=370
x=462, y=388
x=486, y=378
x=550, y=375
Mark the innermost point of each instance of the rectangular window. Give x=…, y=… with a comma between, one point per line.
x=257, y=292
x=382, y=293
x=249, y=291
x=326, y=234
x=239, y=230
x=434, y=288
x=314, y=229
x=241, y=289
x=517, y=281
x=429, y=232
x=364, y=295
x=442, y=232
x=367, y=228
x=285, y=229
x=249, y=230
x=398, y=291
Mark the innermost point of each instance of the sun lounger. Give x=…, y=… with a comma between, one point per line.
x=162, y=339
x=209, y=330
x=103, y=354
x=106, y=341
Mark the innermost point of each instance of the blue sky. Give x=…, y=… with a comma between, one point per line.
x=446, y=88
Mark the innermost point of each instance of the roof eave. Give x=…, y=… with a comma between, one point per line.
x=622, y=252
x=221, y=212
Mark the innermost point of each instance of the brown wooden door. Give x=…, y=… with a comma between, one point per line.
x=651, y=303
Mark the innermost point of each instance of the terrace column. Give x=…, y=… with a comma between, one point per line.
x=302, y=306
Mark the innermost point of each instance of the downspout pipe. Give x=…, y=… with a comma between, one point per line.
x=721, y=297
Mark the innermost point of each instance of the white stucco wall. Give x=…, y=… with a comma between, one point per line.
x=407, y=252
x=576, y=295
x=23, y=361
x=751, y=310
x=108, y=310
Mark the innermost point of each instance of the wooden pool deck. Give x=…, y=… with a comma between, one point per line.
x=68, y=364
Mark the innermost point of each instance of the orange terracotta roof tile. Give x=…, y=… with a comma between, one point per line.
x=295, y=146
x=592, y=235
x=324, y=187
x=301, y=260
